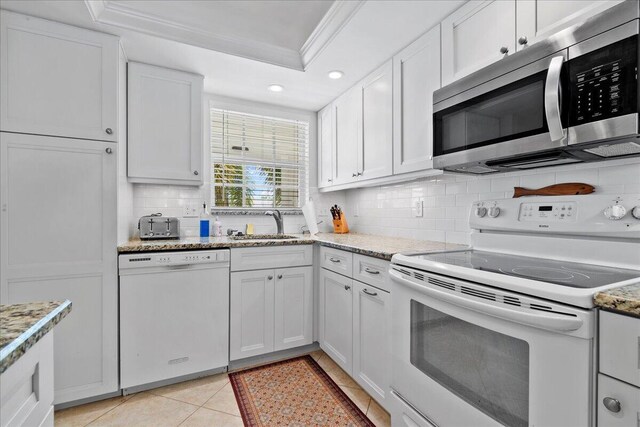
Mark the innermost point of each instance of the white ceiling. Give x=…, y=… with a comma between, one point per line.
x=365, y=38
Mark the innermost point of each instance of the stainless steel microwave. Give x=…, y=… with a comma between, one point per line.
x=571, y=98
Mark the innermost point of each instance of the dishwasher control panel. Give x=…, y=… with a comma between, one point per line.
x=181, y=258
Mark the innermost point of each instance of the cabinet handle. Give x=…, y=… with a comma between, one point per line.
x=334, y=260
x=108, y=150
x=373, y=294
x=270, y=277
x=109, y=131
x=195, y=173
x=370, y=271
x=612, y=404
x=347, y=287
x=504, y=50
x=279, y=276
x=523, y=40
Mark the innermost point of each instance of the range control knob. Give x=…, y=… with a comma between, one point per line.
x=635, y=212
x=481, y=211
x=494, y=211
x=615, y=212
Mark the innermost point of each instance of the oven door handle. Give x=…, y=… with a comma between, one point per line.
x=548, y=321
x=553, y=99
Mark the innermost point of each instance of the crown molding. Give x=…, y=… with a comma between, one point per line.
x=106, y=12
x=336, y=18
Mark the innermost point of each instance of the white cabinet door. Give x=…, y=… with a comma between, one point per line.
x=473, y=36
x=375, y=152
x=165, y=132
x=416, y=75
x=538, y=19
x=623, y=398
x=336, y=318
x=371, y=344
x=57, y=80
x=348, y=137
x=58, y=238
x=293, y=312
x=326, y=146
x=252, y=296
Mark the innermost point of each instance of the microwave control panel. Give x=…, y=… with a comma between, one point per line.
x=604, y=83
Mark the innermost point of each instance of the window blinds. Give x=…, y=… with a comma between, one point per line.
x=258, y=161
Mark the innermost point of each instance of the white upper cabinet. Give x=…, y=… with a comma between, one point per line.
x=348, y=123
x=538, y=19
x=476, y=35
x=375, y=152
x=326, y=146
x=165, y=126
x=57, y=80
x=416, y=75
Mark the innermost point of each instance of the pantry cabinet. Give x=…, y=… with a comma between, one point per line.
x=326, y=146
x=271, y=308
x=165, y=126
x=57, y=80
x=482, y=32
x=336, y=318
x=416, y=75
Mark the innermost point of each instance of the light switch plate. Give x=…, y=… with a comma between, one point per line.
x=418, y=206
x=190, y=211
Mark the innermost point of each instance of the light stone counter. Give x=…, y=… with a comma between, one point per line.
x=625, y=299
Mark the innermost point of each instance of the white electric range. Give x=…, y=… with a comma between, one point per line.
x=504, y=333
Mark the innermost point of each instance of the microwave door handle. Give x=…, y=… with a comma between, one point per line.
x=552, y=99
x=546, y=321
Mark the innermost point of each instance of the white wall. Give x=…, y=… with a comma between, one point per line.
x=170, y=200
x=387, y=210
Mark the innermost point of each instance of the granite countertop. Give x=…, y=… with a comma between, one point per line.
x=23, y=325
x=383, y=247
x=625, y=299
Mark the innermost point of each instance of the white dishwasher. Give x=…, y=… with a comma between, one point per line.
x=174, y=316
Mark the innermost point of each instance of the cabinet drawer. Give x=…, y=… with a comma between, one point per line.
x=620, y=347
x=372, y=271
x=623, y=402
x=336, y=260
x=271, y=257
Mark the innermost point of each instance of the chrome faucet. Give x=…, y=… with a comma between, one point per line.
x=277, y=215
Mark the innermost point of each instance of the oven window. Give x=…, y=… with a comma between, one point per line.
x=485, y=368
x=511, y=112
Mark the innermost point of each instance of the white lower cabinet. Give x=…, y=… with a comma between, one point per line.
x=618, y=403
x=336, y=318
x=354, y=327
x=371, y=359
x=271, y=310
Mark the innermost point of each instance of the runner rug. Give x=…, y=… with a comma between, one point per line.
x=294, y=392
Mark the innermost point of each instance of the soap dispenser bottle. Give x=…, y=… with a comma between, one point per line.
x=204, y=221
x=217, y=227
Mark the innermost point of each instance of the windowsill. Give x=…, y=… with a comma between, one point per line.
x=253, y=211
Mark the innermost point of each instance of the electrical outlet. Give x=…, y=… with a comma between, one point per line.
x=418, y=206
x=189, y=211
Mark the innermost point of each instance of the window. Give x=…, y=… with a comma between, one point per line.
x=258, y=161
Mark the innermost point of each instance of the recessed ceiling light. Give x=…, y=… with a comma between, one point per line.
x=335, y=74
x=276, y=88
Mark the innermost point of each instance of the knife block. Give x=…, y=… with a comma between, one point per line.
x=340, y=225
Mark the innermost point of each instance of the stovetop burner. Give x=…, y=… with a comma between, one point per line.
x=565, y=273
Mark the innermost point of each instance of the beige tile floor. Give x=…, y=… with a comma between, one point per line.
x=205, y=401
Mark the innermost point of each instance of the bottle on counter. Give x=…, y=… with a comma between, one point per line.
x=217, y=227
x=204, y=221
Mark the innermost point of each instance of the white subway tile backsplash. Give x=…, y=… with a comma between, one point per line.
x=505, y=183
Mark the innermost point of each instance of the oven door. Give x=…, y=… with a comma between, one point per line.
x=471, y=355
x=518, y=113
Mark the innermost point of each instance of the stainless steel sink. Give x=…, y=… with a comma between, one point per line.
x=263, y=237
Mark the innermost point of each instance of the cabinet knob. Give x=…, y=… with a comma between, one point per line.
x=359, y=173
x=612, y=404
x=347, y=287
x=195, y=173
x=270, y=277
x=354, y=174
x=109, y=131
x=329, y=180
x=108, y=150
x=504, y=50
x=279, y=276
x=523, y=40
